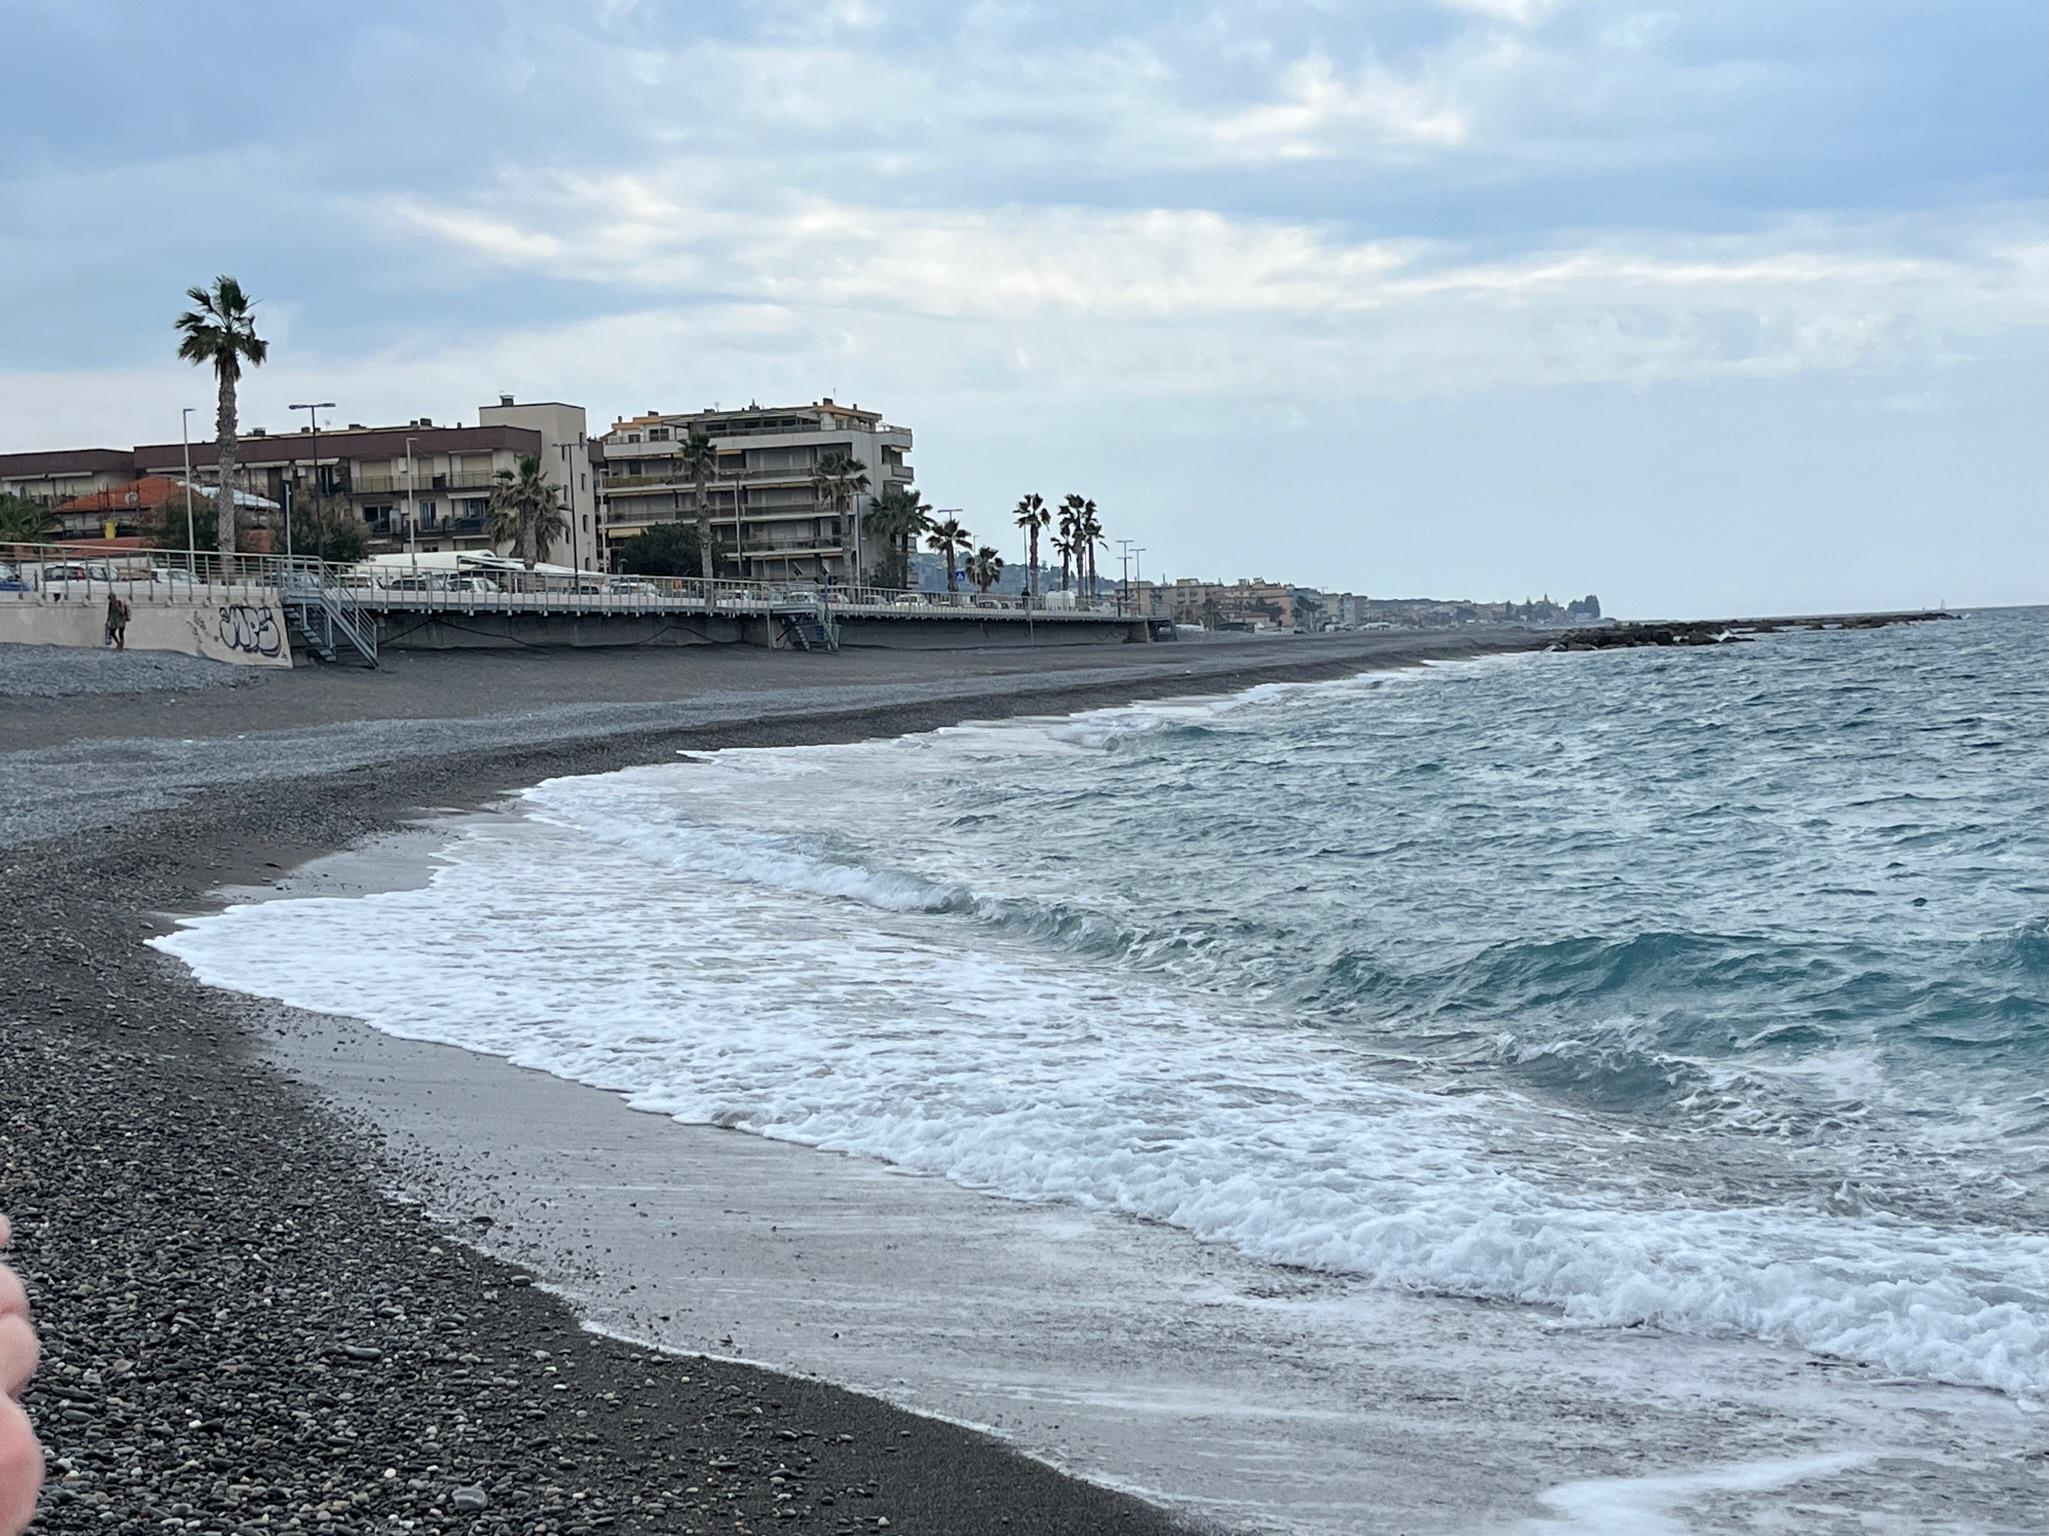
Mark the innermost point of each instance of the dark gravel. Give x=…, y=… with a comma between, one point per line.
x=61, y=672
x=245, y=1331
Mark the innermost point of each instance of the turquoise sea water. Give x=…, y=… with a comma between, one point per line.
x=1704, y=991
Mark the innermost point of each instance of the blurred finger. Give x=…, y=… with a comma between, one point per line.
x=21, y=1468
x=18, y=1353
x=13, y=1299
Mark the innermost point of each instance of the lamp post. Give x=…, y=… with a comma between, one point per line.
x=569, y=485
x=312, y=416
x=191, y=539
x=412, y=509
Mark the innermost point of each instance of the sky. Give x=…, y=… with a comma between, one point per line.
x=1708, y=308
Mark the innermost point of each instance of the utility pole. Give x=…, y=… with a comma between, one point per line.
x=312, y=415
x=412, y=509
x=1124, y=580
x=569, y=485
x=185, y=436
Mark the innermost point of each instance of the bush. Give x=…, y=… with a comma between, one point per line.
x=663, y=549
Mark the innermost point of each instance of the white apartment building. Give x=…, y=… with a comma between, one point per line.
x=769, y=520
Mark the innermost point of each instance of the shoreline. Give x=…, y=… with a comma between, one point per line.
x=110, y=1043
x=587, y=1172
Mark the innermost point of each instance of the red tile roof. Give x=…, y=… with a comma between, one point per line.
x=144, y=495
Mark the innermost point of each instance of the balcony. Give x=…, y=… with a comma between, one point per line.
x=423, y=484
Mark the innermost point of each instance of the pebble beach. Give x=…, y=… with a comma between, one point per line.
x=248, y=1325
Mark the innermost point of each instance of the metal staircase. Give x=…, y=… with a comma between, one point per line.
x=807, y=624
x=327, y=616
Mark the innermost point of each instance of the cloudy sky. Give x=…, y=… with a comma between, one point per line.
x=1719, y=307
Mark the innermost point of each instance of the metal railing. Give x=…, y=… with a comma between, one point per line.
x=363, y=594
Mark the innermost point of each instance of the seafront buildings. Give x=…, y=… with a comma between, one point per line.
x=770, y=517
x=417, y=487
x=425, y=487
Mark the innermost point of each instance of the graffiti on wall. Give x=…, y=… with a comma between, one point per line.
x=252, y=631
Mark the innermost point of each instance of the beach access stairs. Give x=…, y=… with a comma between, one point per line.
x=807, y=624
x=327, y=616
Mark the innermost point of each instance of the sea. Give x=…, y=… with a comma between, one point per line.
x=1702, y=994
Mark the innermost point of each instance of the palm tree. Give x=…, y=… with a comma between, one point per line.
x=897, y=516
x=950, y=540
x=838, y=479
x=526, y=511
x=1032, y=515
x=700, y=461
x=25, y=522
x=985, y=568
x=1069, y=541
x=220, y=330
x=1090, y=533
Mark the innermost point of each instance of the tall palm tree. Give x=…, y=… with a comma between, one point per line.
x=700, y=462
x=1090, y=532
x=950, y=540
x=896, y=518
x=1069, y=541
x=220, y=331
x=1032, y=515
x=838, y=479
x=526, y=511
x=985, y=567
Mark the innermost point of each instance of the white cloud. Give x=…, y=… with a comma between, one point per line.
x=1319, y=113
x=1520, y=13
x=1254, y=303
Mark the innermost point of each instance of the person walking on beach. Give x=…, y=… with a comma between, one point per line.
x=21, y=1458
x=117, y=622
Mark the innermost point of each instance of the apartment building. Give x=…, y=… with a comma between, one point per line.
x=421, y=486
x=769, y=520
x=65, y=474
x=1243, y=604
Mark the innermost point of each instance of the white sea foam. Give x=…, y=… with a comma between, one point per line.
x=642, y=933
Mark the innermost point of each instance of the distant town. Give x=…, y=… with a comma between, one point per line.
x=822, y=492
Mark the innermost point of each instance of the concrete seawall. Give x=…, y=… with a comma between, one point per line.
x=447, y=631
x=249, y=634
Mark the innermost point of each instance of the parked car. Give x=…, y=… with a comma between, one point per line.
x=63, y=572
x=170, y=576
x=629, y=586
x=440, y=581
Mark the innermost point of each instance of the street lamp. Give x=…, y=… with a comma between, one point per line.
x=569, y=485
x=320, y=530
x=412, y=509
x=191, y=539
